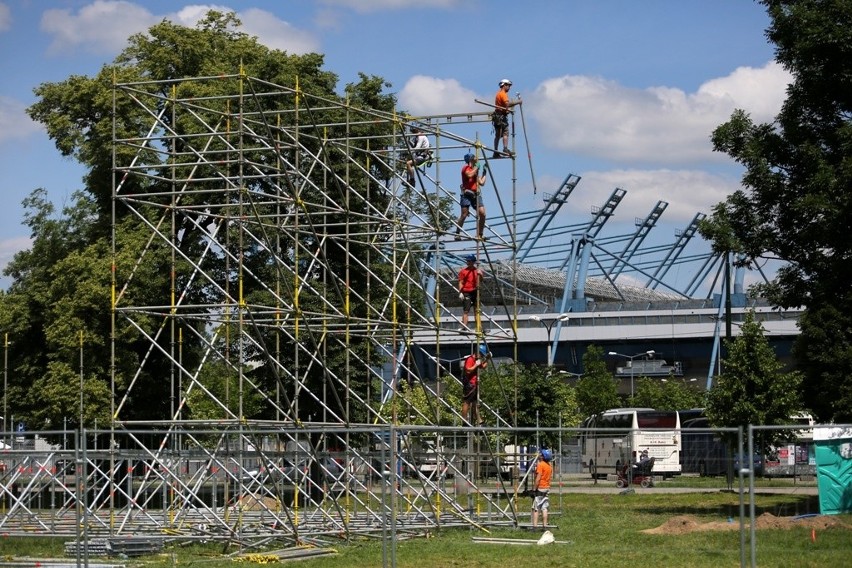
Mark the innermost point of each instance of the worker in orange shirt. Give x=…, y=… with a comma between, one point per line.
x=541, y=487
x=500, y=117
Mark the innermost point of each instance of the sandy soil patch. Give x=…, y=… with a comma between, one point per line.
x=686, y=524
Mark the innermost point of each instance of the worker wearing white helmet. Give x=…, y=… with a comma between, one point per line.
x=500, y=118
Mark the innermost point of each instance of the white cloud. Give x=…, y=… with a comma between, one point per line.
x=687, y=192
x=379, y=5
x=759, y=91
x=14, y=122
x=277, y=34
x=270, y=30
x=189, y=15
x=5, y=17
x=104, y=26
x=100, y=27
x=595, y=117
x=430, y=95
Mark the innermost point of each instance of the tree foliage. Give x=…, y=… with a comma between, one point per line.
x=674, y=394
x=414, y=404
x=752, y=389
x=54, y=316
x=224, y=384
x=796, y=201
x=544, y=400
x=597, y=389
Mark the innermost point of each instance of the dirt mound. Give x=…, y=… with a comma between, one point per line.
x=255, y=503
x=685, y=524
x=679, y=525
x=770, y=521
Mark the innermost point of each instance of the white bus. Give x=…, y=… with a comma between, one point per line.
x=615, y=437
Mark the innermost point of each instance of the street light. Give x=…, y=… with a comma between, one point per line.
x=548, y=325
x=649, y=353
x=5, y=380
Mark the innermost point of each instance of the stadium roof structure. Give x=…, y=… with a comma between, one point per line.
x=546, y=285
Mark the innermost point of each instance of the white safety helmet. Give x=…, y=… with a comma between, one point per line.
x=504, y=82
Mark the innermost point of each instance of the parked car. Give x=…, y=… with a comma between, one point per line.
x=756, y=464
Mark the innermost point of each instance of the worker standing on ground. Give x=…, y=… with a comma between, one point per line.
x=500, y=117
x=541, y=488
x=470, y=383
x=472, y=178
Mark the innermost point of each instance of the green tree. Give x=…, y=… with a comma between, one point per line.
x=544, y=400
x=56, y=313
x=597, y=389
x=414, y=404
x=673, y=394
x=796, y=200
x=224, y=384
x=753, y=389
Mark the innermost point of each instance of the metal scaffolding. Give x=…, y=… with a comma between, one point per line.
x=251, y=484
x=291, y=239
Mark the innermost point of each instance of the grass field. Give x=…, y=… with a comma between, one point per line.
x=592, y=530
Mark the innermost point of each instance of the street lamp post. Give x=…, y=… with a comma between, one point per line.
x=572, y=374
x=5, y=381
x=548, y=325
x=649, y=353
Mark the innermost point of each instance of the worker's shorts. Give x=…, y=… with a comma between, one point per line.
x=470, y=199
x=541, y=501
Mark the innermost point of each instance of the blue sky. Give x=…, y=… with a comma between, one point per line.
x=622, y=93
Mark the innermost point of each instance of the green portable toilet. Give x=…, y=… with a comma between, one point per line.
x=834, y=468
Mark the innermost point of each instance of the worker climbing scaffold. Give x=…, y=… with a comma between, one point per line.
x=473, y=177
x=471, y=368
